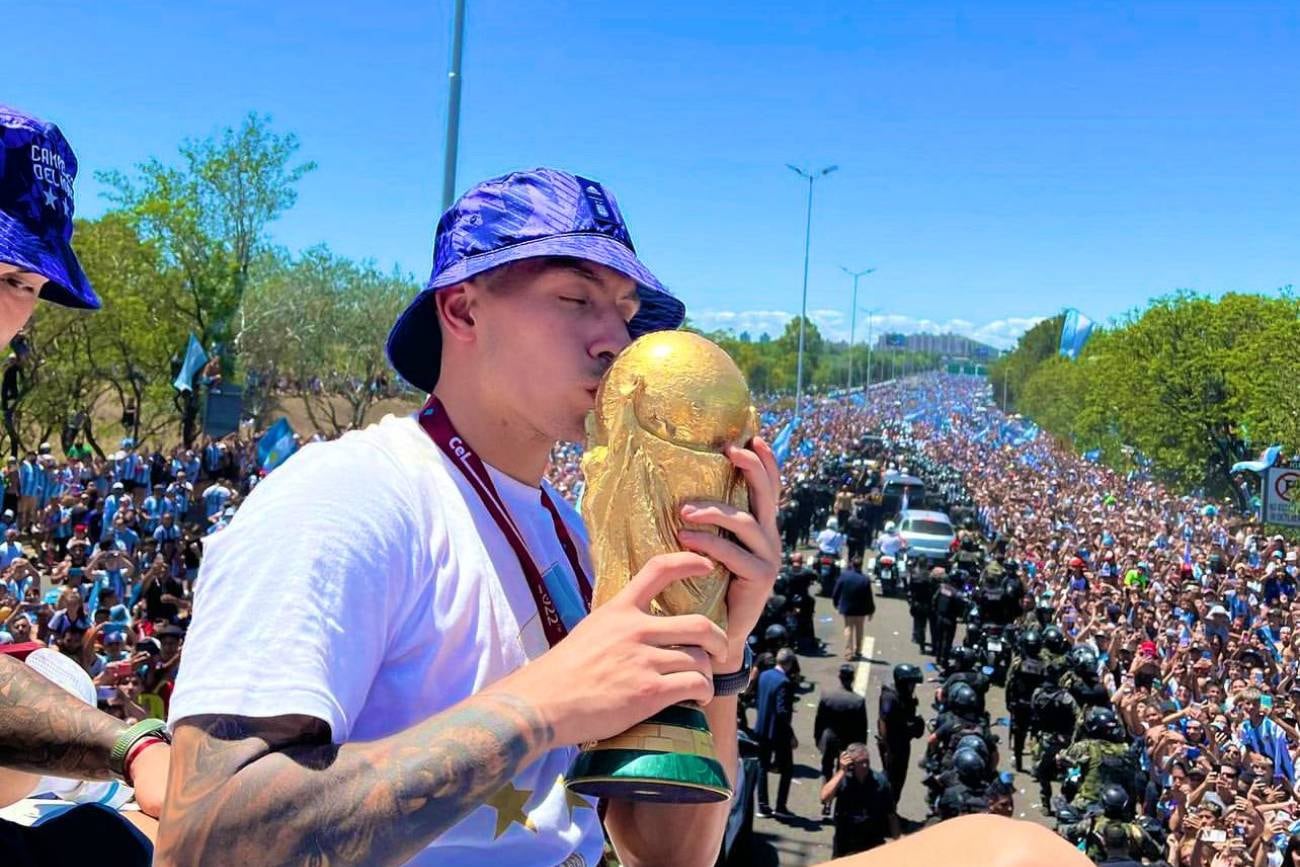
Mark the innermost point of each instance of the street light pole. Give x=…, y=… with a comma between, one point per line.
x=803, y=307
x=453, y=105
x=869, y=313
x=853, y=315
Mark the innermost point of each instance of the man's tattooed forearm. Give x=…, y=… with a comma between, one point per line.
x=247, y=790
x=44, y=729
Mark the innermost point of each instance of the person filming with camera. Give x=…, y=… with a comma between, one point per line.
x=864, y=812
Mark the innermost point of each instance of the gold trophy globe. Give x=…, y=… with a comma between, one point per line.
x=665, y=411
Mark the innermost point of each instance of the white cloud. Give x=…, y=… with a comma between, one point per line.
x=833, y=324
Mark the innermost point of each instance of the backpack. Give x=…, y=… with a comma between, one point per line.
x=1117, y=765
x=1053, y=710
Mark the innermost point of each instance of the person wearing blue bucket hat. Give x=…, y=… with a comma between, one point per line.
x=434, y=662
x=521, y=216
x=37, y=172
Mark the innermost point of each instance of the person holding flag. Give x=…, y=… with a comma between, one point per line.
x=276, y=445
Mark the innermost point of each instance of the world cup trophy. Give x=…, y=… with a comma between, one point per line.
x=667, y=408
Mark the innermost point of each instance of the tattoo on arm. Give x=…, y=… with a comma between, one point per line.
x=276, y=790
x=45, y=730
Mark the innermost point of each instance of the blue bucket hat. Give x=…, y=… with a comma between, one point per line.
x=524, y=215
x=37, y=172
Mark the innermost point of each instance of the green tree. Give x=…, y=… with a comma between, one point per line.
x=209, y=216
x=114, y=357
x=322, y=320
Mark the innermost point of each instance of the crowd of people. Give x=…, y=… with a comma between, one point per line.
x=1166, y=626
x=1152, y=640
x=101, y=553
x=1160, y=634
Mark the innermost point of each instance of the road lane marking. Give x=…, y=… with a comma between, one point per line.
x=863, y=673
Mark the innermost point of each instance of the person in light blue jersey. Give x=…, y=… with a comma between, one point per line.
x=215, y=499
x=118, y=567
x=152, y=510
x=126, y=465
x=112, y=503
x=214, y=456
x=61, y=518
x=181, y=492
x=22, y=580
x=167, y=531
x=29, y=489
x=48, y=476
x=10, y=549
x=123, y=537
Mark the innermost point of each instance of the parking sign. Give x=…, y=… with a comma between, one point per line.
x=1282, y=496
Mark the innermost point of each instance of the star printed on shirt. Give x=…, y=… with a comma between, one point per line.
x=572, y=799
x=509, y=803
x=51, y=200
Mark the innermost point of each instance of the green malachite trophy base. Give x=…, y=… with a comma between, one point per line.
x=640, y=765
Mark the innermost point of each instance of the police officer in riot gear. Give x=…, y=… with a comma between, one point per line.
x=949, y=606
x=964, y=668
x=921, y=586
x=963, y=714
x=1027, y=673
x=898, y=724
x=1103, y=757
x=1082, y=678
x=1114, y=832
x=1054, y=715
x=992, y=597
x=968, y=795
x=1055, y=646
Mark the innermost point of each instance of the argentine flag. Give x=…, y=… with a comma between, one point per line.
x=195, y=358
x=276, y=445
x=1075, y=332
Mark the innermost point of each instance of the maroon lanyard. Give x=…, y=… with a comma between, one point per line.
x=434, y=420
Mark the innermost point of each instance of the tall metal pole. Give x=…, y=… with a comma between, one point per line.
x=869, y=313
x=803, y=307
x=853, y=315
x=1006, y=371
x=853, y=322
x=453, y=105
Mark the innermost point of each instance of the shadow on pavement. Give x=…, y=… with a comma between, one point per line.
x=806, y=772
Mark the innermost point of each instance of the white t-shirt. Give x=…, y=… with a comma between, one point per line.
x=829, y=541
x=363, y=583
x=890, y=543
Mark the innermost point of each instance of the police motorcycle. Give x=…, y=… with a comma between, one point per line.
x=889, y=567
x=969, y=556
x=888, y=572
x=991, y=645
x=828, y=572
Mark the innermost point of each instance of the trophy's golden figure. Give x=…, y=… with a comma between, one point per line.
x=666, y=410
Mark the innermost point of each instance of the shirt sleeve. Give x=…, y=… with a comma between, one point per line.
x=296, y=599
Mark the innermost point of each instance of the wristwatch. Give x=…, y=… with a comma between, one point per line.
x=149, y=728
x=734, y=683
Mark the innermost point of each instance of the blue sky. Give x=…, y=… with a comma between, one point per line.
x=998, y=161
